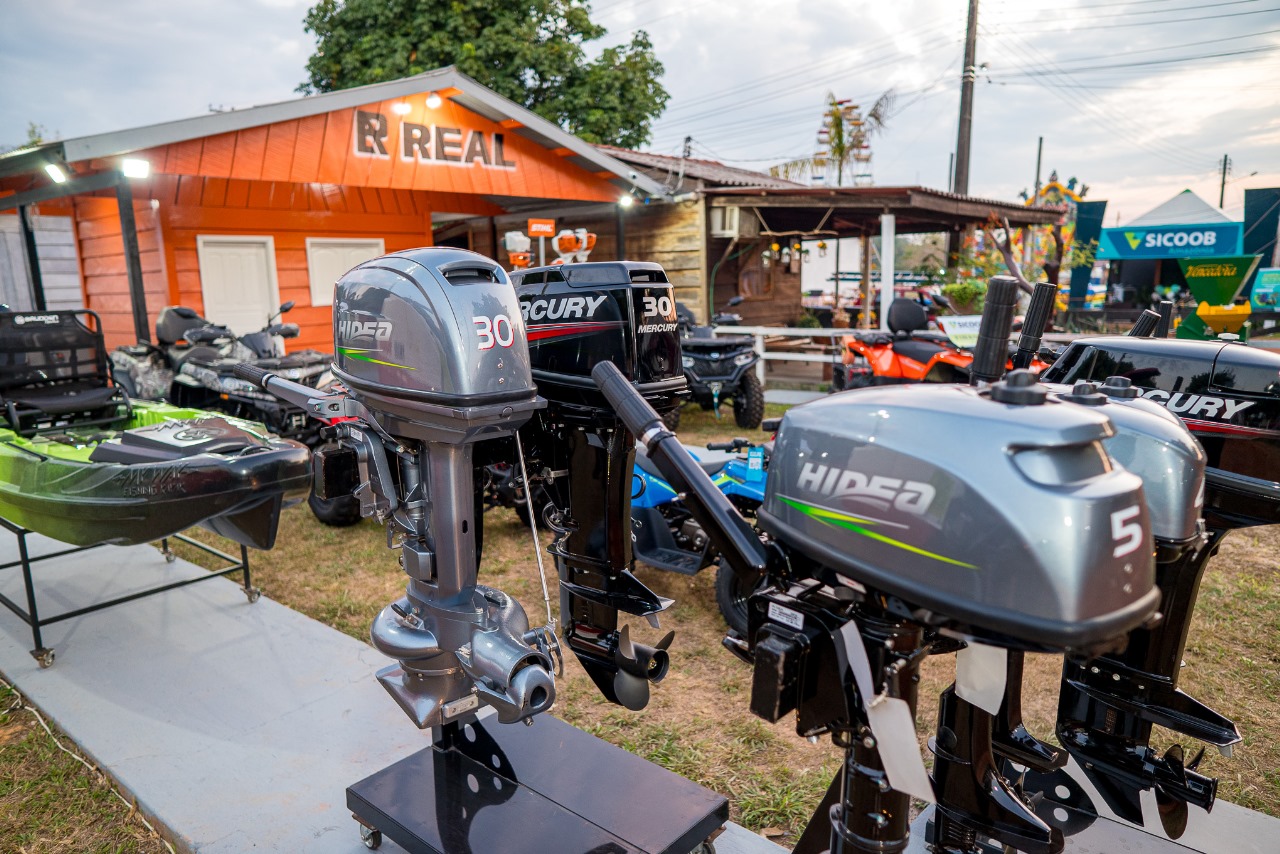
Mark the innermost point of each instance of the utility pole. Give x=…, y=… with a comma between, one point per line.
x=1222, y=188
x=1039, y=151
x=1028, y=236
x=967, y=76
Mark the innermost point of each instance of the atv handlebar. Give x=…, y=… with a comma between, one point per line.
x=732, y=445
x=1145, y=324
x=725, y=527
x=991, y=353
x=1038, y=313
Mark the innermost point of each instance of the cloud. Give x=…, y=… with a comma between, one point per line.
x=748, y=81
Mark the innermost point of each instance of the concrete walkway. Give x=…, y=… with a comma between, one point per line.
x=237, y=727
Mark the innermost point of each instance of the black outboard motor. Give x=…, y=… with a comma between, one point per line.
x=578, y=316
x=1228, y=396
x=432, y=348
x=880, y=543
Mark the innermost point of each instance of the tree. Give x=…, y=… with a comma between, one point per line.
x=530, y=51
x=843, y=139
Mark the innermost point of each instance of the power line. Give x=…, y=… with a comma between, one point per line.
x=1193, y=8
x=1074, y=70
x=1159, y=148
x=807, y=69
x=1137, y=23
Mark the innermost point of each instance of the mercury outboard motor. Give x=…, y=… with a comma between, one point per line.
x=431, y=347
x=578, y=316
x=1228, y=396
x=884, y=548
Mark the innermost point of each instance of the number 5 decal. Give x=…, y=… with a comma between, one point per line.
x=1126, y=531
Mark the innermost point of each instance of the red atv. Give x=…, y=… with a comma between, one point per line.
x=907, y=353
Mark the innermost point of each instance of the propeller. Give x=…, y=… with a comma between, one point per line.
x=638, y=665
x=1171, y=808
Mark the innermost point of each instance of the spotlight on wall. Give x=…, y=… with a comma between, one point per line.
x=400, y=108
x=132, y=167
x=434, y=101
x=56, y=173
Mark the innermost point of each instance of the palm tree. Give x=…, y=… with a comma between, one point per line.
x=843, y=140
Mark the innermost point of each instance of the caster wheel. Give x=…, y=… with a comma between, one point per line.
x=43, y=657
x=253, y=594
x=371, y=838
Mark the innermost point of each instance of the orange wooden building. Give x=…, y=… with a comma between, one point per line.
x=233, y=213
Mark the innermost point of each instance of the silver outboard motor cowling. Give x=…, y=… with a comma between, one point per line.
x=432, y=350
x=948, y=532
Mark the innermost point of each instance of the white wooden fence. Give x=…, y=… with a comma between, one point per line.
x=761, y=334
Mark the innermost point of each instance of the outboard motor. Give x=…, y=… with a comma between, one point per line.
x=1107, y=706
x=1228, y=396
x=884, y=549
x=431, y=347
x=578, y=316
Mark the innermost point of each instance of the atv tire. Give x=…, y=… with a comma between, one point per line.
x=732, y=592
x=342, y=512
x=672, y=419
x=748, y=402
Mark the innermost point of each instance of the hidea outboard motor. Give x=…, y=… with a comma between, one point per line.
x=578, y=316
x=431, y=347
x=885, y=548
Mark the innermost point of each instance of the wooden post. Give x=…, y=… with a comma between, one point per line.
x=30, y=254
x=865, y=321
x=132, y=260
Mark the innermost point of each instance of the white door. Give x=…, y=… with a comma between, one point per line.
x=328, y=258
x=238, y=280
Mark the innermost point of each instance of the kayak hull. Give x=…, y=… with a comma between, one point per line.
x=238, y=493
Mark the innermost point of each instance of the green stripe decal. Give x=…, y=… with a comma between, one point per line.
x=853, y=523
x=353, y=353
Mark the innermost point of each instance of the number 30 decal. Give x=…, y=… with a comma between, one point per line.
x=494, y=330
x=658, y=306
x=1126, y=531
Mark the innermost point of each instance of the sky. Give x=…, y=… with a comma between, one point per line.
x=1138, y=100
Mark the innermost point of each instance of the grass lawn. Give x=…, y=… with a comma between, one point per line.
x=697, y=723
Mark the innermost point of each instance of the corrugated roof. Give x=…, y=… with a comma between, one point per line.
x=470, y=94
x=713, y=172
x=1186, y=208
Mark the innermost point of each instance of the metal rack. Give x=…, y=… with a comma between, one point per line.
x=31, y=614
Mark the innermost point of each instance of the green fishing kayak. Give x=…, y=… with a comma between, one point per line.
x=159, y=472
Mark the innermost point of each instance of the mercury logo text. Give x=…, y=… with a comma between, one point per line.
x=907, y=496
x=562, y=308
x=1197, y=405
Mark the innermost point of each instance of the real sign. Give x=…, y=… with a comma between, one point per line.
x=1171, y=241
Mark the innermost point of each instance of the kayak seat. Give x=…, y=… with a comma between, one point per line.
x=55, y=372
x=173, y=440
x=914, y=348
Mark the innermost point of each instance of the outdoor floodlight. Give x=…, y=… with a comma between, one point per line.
x=434, y=101
x=626, y=201
x=56, y=173
x=133, y=167
x=400, y=108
